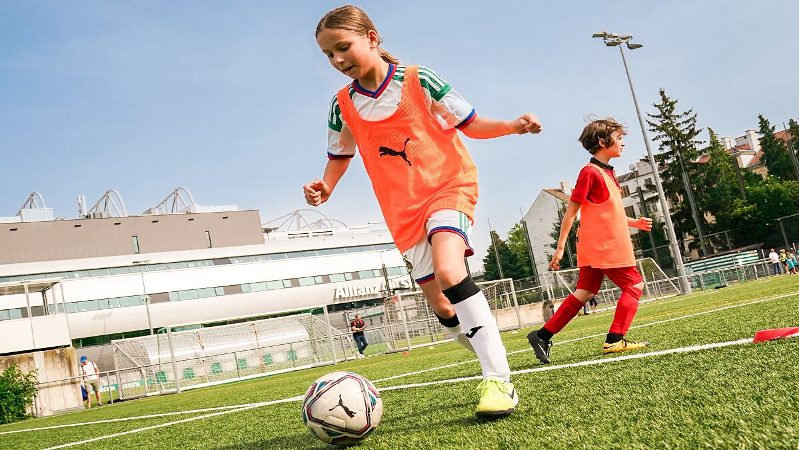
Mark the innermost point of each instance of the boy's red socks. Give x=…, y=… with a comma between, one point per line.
x=626, y=308
x=568, y=309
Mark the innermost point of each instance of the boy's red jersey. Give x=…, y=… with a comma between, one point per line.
x=415, y=166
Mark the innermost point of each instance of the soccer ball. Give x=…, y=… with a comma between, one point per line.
x=342, y=408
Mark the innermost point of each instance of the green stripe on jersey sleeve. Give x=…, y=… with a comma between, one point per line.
x=334, y=116
x=430, y=80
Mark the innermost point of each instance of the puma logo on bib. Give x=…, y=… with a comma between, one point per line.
x=385, y=151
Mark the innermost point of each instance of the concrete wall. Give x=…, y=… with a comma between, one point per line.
x=86, y=238
x=52, y=364
x=34, y=333
x=531, y=314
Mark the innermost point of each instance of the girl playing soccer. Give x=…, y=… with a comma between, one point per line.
x=404, y=122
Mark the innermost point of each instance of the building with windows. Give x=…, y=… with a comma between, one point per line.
x=129, y=276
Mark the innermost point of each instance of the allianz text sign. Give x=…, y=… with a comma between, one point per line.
x=374, y=289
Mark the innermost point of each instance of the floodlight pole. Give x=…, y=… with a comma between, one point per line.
x=612, y=40
x=141, y=265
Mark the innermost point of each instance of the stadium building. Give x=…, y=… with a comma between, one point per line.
x=125, y=276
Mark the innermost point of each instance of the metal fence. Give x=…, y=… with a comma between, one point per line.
x=202, y=356
x=190, y=358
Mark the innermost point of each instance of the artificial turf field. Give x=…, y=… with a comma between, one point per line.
x=741, y=396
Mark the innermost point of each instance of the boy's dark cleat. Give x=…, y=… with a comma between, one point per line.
x=540, y=347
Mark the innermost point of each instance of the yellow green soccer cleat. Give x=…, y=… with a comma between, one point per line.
x=622, y=346
x=497, y=399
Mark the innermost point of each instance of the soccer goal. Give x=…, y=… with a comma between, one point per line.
x=411, y=322
x=656, y=284
x=201, y=354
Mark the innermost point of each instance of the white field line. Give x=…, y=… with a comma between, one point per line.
x=592, y=336
x=592, y=362
x=249, y=405
x=121, y=419
x=150, y=416
x=692, y=348
x=220, y=413
x=148, y=428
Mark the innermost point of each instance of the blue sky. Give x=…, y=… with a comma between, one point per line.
x=229, y=99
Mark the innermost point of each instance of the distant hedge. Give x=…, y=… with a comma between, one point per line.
x=16, y=394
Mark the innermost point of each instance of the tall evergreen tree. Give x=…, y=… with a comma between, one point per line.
x=775, y=152
x=517, y=242
x=676, y=133
x=719, y=183
x=793, y=135
x=511, y=267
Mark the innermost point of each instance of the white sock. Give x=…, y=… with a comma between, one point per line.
x=480, y=328
x=460, y=338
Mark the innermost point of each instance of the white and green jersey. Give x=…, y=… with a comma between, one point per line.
x=449, y=107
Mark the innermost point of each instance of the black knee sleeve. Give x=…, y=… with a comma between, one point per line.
x=449, y=323
x=461, y=291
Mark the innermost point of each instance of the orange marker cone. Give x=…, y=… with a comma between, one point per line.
x=768, y=335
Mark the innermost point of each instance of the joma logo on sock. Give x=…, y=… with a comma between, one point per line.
x=473, y=331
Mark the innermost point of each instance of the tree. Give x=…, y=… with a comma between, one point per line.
x=511, y=267
x=775, y=152
x=676, y=133
x=517, y=243
x=767, y=200
x=16, y=394
x=793, y=136
x=719, y=186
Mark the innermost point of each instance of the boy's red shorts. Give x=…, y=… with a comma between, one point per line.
x=590, y=278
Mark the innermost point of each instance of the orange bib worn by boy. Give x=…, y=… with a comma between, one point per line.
x=416, y=167
x=603, y=240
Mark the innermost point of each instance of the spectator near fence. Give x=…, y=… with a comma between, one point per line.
x=774, y=258
x=90, y=377
x=357, y=326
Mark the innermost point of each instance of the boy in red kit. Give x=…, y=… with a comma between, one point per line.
x=604, y=247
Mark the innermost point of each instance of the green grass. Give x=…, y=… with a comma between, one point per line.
x=737, y=397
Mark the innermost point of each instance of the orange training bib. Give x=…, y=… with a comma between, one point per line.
x=415, y=166
x=603, y=240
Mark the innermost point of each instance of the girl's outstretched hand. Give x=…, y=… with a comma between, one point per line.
x=527, y=123
x=316, y=192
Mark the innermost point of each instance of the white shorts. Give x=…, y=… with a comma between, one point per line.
x=419, y=258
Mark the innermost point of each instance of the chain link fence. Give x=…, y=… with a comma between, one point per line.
x=203, y=356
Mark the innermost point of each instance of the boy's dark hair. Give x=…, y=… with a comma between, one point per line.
x=599, y=133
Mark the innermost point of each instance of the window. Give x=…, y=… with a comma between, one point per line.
x=118, y=270
x=189, y=294
x=260, y=286
x=277, y=284
x=206, y=292
x=176, y=265
x=630, y=211
x=98, y=272
x=307, y=281
x=337, y=277
x=365, y=274
x=136, y=245
x=89, y=305
x=625, y=191
x=395, y=271
x=208, y=239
